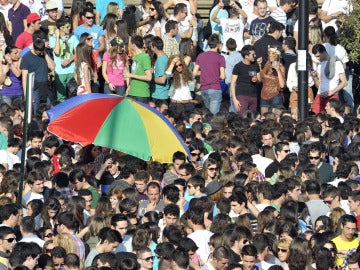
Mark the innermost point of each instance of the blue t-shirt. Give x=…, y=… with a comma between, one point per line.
x=67, y=48
x=101, y=7
x=37, y=64
x=216, y=28
x=160, y=90
x=95, y=31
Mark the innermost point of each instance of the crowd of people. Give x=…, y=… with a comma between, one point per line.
x=260, y=188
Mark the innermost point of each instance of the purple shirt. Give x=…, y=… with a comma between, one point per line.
x=210, y=63
x=17, y=17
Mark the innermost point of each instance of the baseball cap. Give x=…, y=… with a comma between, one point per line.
x=32, y=17
x=51, y=5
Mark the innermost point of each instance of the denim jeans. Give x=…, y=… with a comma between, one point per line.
x=278, y=100
x=119, y=90
x=212, y=99
x=347, y=92
x=9, y=99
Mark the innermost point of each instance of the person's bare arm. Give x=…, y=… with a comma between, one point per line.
x=222, y=73
x=102, y=46
x=97, y=18
x=326, y=17
x=50, y=63
x=196, y=70
x=216, y=12
x=24, y=73
x=233, y=94
x=147, y=77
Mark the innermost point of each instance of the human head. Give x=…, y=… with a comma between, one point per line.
x=88, y=16
x=348, y=227
x=119, y=222
x=7, y=239
x=58, y=256
x=145, y=258
x=110, y=240
x=320, y=52
x=26, y=254
x=72, y=262
x=221, y=258
x=180, y=11
x=248, y=255
x=248, y=52
x=276, y=29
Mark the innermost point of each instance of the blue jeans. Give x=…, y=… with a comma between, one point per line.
x=9, y=99
x=278, y=100
x=347, y=92
x=119, y=90
x=212, y=99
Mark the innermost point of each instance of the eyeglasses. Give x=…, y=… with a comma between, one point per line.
x=282, y=250
x=151, y=9
x=89, y=38
x=89, y=17
x=286, y=150
x=59, y=264
x=179, y=65
x=316, y=157
x=147, y=259
x=49, y=235
x=212, y=169
x=10, y=240
x=195, y=154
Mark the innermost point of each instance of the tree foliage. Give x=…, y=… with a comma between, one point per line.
x=349, y=35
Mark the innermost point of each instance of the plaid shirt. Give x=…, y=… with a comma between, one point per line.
x=171, y=46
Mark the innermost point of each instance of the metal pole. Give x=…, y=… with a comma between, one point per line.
x=27, y=118
x=302, y=66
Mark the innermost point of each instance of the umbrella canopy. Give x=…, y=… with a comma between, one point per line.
x=119, y=123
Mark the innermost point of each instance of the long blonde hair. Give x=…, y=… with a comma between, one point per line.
x=178, y=78
x=66, y=241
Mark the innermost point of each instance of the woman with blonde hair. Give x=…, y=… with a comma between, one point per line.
x=283, y=252
x=335, y=216
x=66, y=241
x=273, y=79
x=90, y=233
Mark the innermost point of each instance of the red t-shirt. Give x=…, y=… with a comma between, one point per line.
x=24, y=40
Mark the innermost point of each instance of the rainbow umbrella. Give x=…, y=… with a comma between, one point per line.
x=119, y=123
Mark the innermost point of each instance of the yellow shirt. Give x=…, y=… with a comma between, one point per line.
x=344, y=245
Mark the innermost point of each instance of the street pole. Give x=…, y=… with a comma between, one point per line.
x=302, y=67
x=27, y=118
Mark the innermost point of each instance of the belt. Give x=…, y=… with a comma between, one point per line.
x=184, y=101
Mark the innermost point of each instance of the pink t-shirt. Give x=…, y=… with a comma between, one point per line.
x=115, y=72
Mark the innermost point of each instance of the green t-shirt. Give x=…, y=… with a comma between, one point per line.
x=141, y=63
x=95, y=196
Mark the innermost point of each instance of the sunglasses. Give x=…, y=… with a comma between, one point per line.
x=10, y=240
x=282, y=250
x=65, y=26
x=59, y=264
x=89, y=17
x=212, y=169
x=195, y=154
x=316, y=157
x=327, y=202
x=179, y=65
x=147, y=259
x=49, y=235
x=89, y=38
x=151, y=9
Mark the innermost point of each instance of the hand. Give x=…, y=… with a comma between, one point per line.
x=151, y=206
x=276, y=65
x=8, y=58
x=237, y=104
x=111, y=87
x=65, y=63
x=127, y=91
x=313, y=73
x=106, y=164
x=221, y=5
x=259, y=60
x=175, y=60
x=193, y=21
x=126, y=74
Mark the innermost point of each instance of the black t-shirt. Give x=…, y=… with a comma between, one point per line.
x=258, y=27
x=245, y=87
x=262, y=45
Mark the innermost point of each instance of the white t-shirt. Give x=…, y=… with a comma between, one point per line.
x=39, y=7
x=329, y=84
x=332, y=6
x=247, y=6
x=9, y=159
x=338, y=51
x=182, y=93
x=233, y=29
x=201, y=239
x=4, y=10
